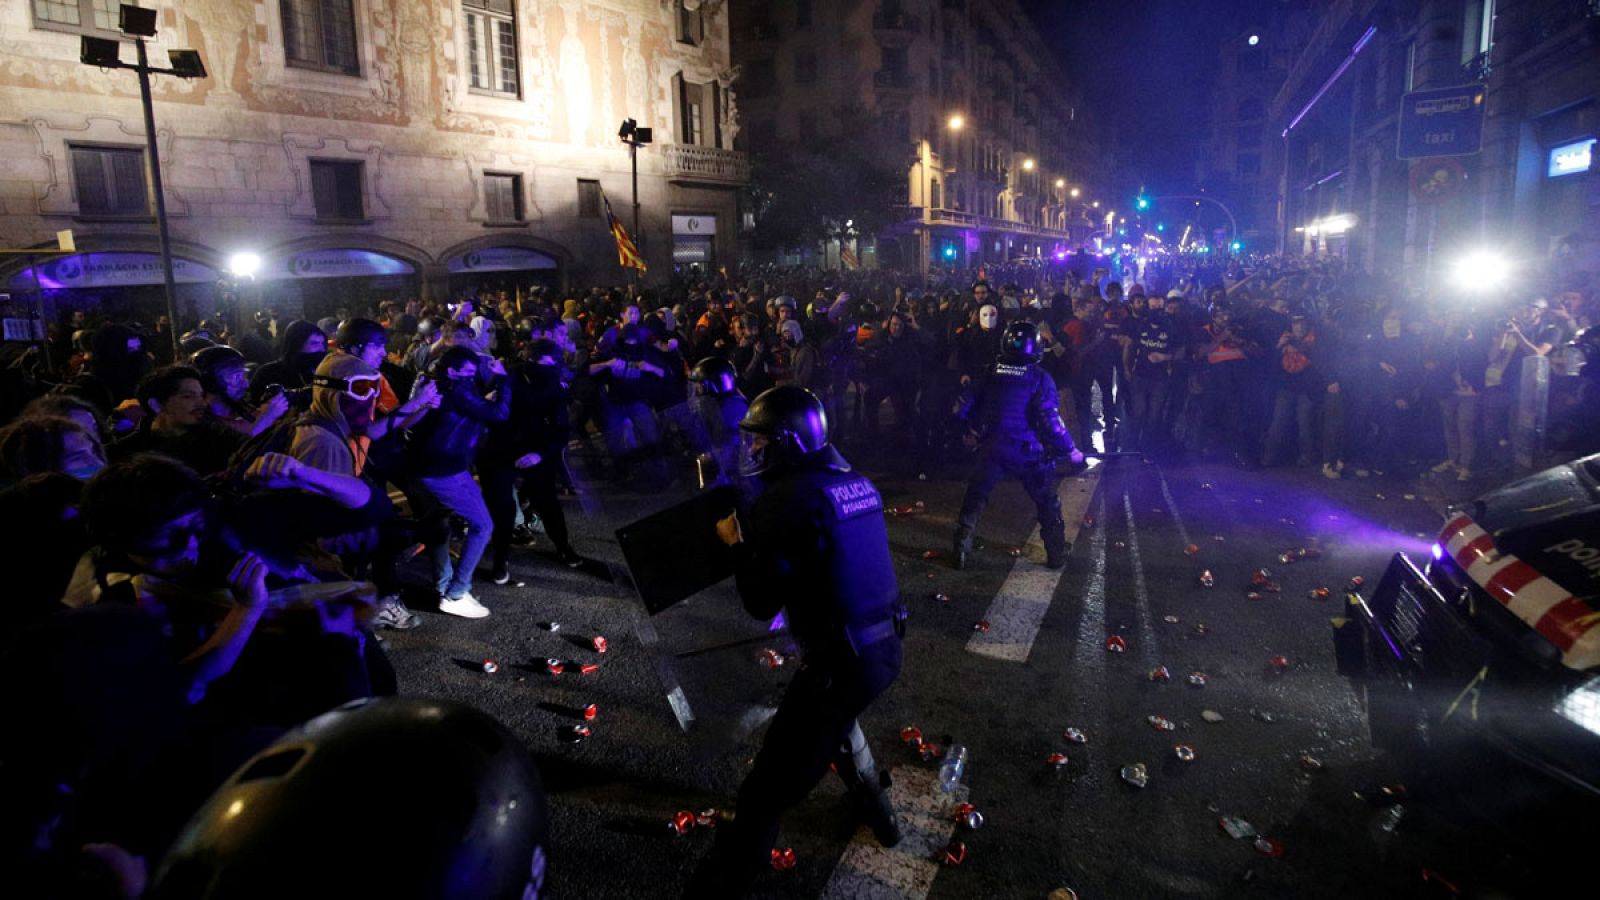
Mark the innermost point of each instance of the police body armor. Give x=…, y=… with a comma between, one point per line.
x=1017, y=414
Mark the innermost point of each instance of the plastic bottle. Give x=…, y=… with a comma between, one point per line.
x=955, y=766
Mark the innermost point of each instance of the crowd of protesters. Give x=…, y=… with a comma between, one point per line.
x=222, y=529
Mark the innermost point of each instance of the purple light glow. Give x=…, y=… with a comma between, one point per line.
x=1438, y=551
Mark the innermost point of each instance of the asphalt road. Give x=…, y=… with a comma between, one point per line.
x=1080, y=825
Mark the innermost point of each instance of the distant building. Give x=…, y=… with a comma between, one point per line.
x=1240, y=159
x=1532, y=191
x=367, y=150
x=1004, y=159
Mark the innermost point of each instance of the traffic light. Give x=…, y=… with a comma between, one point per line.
x=1236, y=246
x=1142, y=203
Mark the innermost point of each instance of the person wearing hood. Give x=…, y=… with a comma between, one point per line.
x=299, y=352
x=117, y=363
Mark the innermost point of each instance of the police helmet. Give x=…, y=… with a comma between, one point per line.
x=1019, y=345
x=303, y=812
x=1588, y=343
x=195, y=341
x=784, y=426
x=212, y=361
x=786, y=300
x=714, y=375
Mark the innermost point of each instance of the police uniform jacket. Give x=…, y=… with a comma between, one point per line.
x=1014, y=409
x=816, y=547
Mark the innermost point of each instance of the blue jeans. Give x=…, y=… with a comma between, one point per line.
x=460, y=495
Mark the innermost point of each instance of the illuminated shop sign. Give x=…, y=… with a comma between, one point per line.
x=100, y=270
x=1570, y=159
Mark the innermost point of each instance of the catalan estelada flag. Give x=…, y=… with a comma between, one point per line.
x=627, y=254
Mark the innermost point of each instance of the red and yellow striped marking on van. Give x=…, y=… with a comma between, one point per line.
x=1545, y=606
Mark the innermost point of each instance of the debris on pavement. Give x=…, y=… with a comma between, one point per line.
x=1197, y=679
x=953, y=854
x=1116, y=643
x=783, y=860
x=1160, y=673
x=1192, y=549
x=1056, y=760
x=1207, y=579
x=1236, y=827
x=1268, y=847
x=772, y=659
x=1075, y=736
x=1211, y=715
x=1135, y=774
x=1161, y=724
x=968, y=815
x=490, y=667
x=681, y=823
x=1183, y=752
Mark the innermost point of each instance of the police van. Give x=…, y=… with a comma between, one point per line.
x=1480, y=669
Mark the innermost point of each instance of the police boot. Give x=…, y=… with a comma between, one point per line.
x=874, y=810
x=1056, y=548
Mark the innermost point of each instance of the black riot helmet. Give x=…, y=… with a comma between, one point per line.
x=714, y=376
x=1019, y=346
x=212, y=362
x=785, y=426
x=302, y=813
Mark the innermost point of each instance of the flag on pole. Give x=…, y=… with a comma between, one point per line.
x=627, y=254
x=848, y=257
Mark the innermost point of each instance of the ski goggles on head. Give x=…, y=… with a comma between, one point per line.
x=358, y=387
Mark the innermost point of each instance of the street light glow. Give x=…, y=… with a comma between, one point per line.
x=1061, y=182
x=956, y=122
x=1482, y=270
x=1096, y=204
x=1027, y=164
x=1253, y=40
x=244, y=265
x=1075, y=193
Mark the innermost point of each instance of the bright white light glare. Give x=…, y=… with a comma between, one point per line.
x=244, y=265
x=1253, y=40
x=1582, y=706
x=1482, y=270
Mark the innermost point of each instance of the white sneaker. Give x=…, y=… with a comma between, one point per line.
x=466, y=606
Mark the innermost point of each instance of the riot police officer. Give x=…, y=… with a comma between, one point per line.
x=812, y=544
x=1013, y=411
x=715, y=411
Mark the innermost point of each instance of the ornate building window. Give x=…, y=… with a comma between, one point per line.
x=320, y=34
x=492, y=46
x=336, y=190
x=80, y=16
x=502, y=197
x=109, y=181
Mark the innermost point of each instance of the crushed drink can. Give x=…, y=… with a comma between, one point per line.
x=1056, y=760
x=1161, y=724
x=1015, y=551
x=1171, y=620
x=968, y=815
x=1062, y=893
x=1409, y=496
x=953, y=854
x=1136, y=774
x=553, y=666
x=929, y=751
x=1268, y=847
x=1218, y=538
x=1183, y=752
x=551, y=627
x=912, y=735
x=681, y=823
x=1116, y=643
x=1075, y=736
x=1320, y=593
x=1309, y=552
x=708, y=818
x=1279, y=664
x=1357, y=581
x=590, y=711
x=1205, y=485
x=772, y=659
x=1261, y=715
x=1200, y=630
x=1254, y=595
x=490, y=667
x=1192, y=549
x=1260, y=577
x=1197, y=679
x=942, y=598
x=1286, y=558
x=783, y=860
x=1207, y=579
x=588, y=668
x=1236, y=827
x=1160, y=673
x=930, y=554
x=575, y=733
x=981, y=625
x=1310, y=763
x=919, y=506
x=599, y=644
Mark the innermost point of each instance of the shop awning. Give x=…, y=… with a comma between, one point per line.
x=500, y=259
x=103, y=270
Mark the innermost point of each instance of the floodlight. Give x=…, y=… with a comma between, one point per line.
x=186, y=63
x=102, y=52
x=1482, y=270
x=244, y=265
x=137, y=21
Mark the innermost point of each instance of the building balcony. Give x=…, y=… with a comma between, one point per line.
x=895, y=29
x=886, y=80
x=955, y=218
x=692, y=164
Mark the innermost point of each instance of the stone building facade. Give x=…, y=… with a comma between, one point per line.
x=370, y=148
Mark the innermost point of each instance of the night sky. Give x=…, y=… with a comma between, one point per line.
x=1144, y=66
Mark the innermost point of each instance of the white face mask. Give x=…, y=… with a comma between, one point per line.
x=988, y=317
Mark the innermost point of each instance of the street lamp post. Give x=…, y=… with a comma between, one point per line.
x=140, y=23
x=635, y=137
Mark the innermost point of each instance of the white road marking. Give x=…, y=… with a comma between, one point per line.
x=1020, y=605
x=1172, y=507
x=867, y=871
x=1141, y=595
